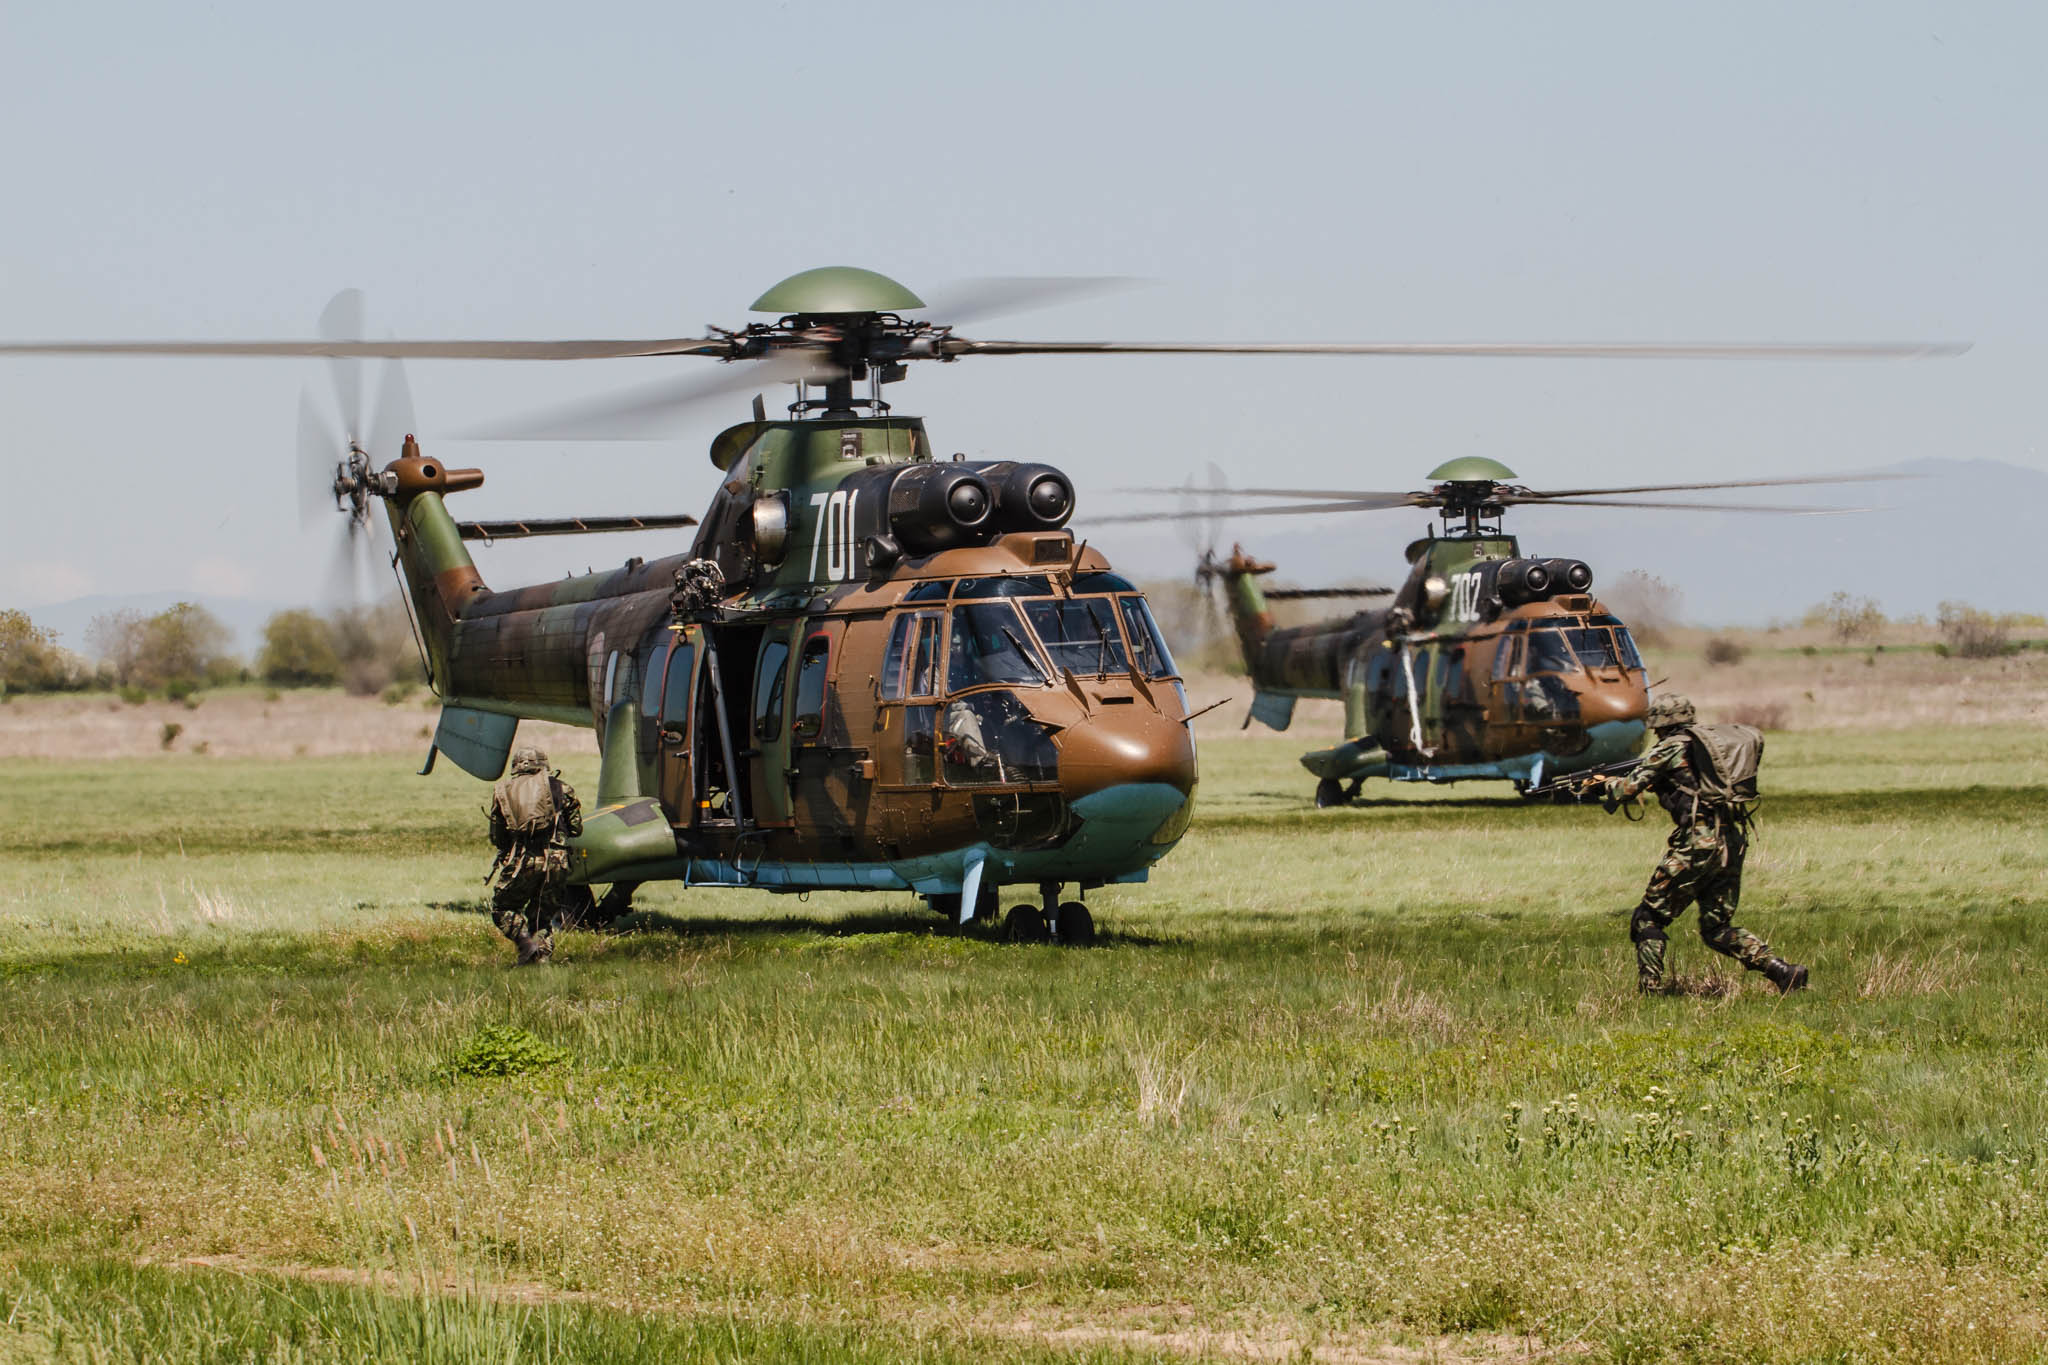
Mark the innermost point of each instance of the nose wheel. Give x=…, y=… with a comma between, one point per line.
x=1064, y=922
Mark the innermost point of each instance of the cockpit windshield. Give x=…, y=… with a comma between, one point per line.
x=1080, y=633
x=1548, y=653
x=990, y=645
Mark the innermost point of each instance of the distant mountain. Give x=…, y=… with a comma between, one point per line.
x=244, y=616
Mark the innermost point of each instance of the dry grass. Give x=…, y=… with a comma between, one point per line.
x=239, y=723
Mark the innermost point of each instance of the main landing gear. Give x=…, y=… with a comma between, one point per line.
x=1064, y=922
x=1332, y=792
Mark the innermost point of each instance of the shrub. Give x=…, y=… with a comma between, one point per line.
x=375, y=647
x=32, y=661
x=504, y=1050
x=1722, y=650
x=180, y=689
x=398, y=692
x=1847, y=618
x=298, y=651
x=133, y=695
x=1972, y=633
x=185, y=643
x=169, y=735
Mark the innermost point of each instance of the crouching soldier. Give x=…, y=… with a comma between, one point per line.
x=533, y=815
x=1705, y=778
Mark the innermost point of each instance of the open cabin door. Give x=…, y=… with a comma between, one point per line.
x=825, y=770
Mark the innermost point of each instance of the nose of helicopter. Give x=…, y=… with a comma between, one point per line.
x=1129, y=774
x=1611, y=702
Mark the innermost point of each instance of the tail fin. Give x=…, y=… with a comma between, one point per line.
x=1249, y=615
x=440, y=578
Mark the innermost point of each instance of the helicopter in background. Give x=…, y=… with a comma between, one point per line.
x=1486, y=664
x=873, y=669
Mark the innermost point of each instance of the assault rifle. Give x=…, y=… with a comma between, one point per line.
x=1578, y=786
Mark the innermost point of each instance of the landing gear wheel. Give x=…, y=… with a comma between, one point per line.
x=1074, y=925
x=1025, y=924
x=1329, y=792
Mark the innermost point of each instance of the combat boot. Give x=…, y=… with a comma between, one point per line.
x=534, y=949
x=1786, y=976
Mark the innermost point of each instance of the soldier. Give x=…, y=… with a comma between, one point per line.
x=1703, y=860
x=533, y=814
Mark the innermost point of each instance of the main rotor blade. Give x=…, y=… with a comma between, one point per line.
x=1314, y=594
x=569, y=526
x=1553, y=493
x=1513, y=501
x=649, y=412
x=406, y=350
x=1305, y=509
x=1390, y=499
x=993, y=296
x=1540, y=350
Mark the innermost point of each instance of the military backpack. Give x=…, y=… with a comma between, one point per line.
x=527, y=804
x=1724, y=761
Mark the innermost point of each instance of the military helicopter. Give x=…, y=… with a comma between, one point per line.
x=873, y=669
x=1485, y=665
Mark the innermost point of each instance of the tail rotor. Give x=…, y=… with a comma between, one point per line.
x=337, y=456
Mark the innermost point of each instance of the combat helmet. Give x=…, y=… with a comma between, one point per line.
x=1669, y=710
x=528, y=759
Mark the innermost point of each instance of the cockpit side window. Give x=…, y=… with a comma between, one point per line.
x=1148, y=646
x=990, y=645
x=1548, y=653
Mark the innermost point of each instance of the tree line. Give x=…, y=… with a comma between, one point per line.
x=178, y=651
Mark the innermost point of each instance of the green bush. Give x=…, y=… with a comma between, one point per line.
x=504, y=1050
x=180, y=689
x=133, y=695
x=298, y=651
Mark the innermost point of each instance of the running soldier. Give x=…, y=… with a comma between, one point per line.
x=1704, y=777
x=533, y=815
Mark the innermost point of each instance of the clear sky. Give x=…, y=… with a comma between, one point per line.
x=1341, y=171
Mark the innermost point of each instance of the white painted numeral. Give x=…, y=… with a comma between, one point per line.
x=833, y=535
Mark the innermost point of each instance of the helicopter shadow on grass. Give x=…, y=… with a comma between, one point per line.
x=1406, y=803
x=905, y=921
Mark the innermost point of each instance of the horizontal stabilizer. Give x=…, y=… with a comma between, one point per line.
x=1273, y=709
x=478, y=742
x=568, y=526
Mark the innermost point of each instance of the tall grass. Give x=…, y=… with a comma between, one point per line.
x=1334, y=1079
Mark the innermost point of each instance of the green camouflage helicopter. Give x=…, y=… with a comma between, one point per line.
x=871, y=670
x=1485, y=665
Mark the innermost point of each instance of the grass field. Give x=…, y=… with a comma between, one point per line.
x=1356, y=1085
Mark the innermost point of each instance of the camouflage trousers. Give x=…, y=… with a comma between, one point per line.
x=526, y=901
x=1702, y=863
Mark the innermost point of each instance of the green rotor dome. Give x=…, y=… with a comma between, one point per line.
x=1471, y=469
x=837, y=289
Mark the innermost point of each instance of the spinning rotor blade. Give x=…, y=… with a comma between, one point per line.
x=1390, y=499
x=993, y=296
x=1539, y=350
x=370, y=350
x=1546, y=495
x=394, y=420
x=1307, y=594
x=1301, y=509
x=316, y=458
x=342, y=320
x=650, y=411
x=1678, y=506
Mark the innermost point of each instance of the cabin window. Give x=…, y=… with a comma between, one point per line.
x=1625, y=645
x=989, y=646
x=1504, y=656
x=929, y=592
x=924, y=670
x=769, y=681
x=650, y=687
x=675, y=694
x=1454, y=675
x=1080, y=634
x=810, y=688
x=893, y=663
x=1102, y=582
x=990, y=739
x=1008, y=585
x=1148, y=646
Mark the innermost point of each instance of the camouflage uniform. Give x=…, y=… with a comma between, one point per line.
x=1702, y=860
x=533, y=814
